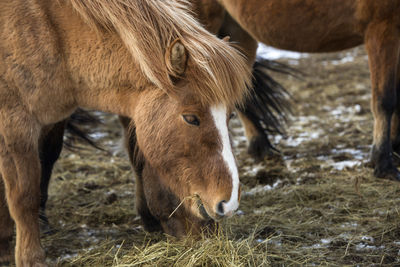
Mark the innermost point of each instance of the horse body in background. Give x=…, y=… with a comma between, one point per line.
x=320, y=26
x=265, y=109
x=60, y=55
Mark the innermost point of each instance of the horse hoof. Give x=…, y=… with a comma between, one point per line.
x=259, y=147
x=5, y=253
x=151, y=224
x=369, y=164
x=392, y=174
x=396, y=158
x=395, y=176
x=5, y=258
x=5, y=261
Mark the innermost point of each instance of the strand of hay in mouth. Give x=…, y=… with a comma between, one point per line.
x=180, y=204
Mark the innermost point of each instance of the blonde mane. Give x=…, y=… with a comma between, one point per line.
x=217, y=72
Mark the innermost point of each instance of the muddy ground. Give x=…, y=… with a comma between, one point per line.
x=317, y=205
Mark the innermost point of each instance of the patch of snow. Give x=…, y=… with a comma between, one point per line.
x=275, y=242
x=322, y=244
x=288, y=163
x=89, y=248
x=272, y=241
x=302, y=137
x=252, y=171
x=277, y=138
x=344, y=113
x=98, y=135
x=261, y=189
x=307, y=119
x=347, y=58
x=364, y=246
x=368, y=238
x=356, y=153
x=271, y=53
x=326, y=241
x=295, y=141
x=349, y=225
x=239, y=212
x=341, y=165
x=67, y=256
x=314, y=246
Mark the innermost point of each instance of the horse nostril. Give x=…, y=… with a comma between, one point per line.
x=220, y=208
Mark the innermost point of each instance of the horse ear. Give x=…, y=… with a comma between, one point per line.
x=176, y=58
x=226, y=38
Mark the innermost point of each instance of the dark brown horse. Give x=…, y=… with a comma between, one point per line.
x=147, y=60
x=325, y=26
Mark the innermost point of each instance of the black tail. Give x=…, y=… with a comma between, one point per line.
x=79, y=127
x=268, y=106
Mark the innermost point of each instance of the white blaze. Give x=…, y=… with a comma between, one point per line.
x=219, y=115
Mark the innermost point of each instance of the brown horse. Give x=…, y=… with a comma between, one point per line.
x=320, y=26
x=264, y=107
x=147, y=60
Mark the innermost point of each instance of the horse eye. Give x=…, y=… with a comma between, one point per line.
x=191, y=119
x=233, y=115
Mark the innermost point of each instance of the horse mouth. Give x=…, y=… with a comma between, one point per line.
x=203, y=212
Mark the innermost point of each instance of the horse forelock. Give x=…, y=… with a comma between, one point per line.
x=217, y=72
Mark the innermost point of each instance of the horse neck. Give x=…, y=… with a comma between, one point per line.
x=103, y=72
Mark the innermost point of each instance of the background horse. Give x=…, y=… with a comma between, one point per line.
x=57, y=56
x=264, y=112
x=315, y=26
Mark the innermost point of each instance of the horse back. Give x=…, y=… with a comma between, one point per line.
x=32, y=68
x=311, y=25
x=370, y=11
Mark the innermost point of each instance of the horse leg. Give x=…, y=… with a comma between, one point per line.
x=50, y=146
x=382, y=42
x=395, y=130
x=6, y=228
x=150, y=223
x=258, y=143
x=247, y=44
x=209, y=13
x=20, y=168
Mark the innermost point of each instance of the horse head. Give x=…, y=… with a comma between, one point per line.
x=187, y=149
